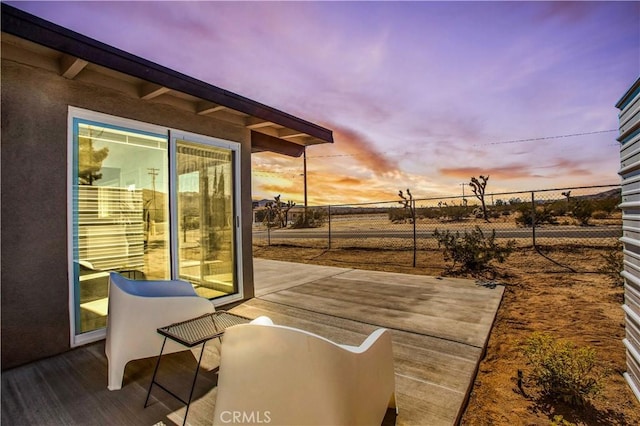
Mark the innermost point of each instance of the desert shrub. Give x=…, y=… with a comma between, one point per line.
x=608, y=205
x=473, y=251
x=260, y=215
x=455, y=213
x=543, y=214
x=613, y=263
x=269, y=218
x=600, y=214
x=399, y=215
x=562, y=370
x=559, y=207
x=559, y=210
x=428, y=212
x=477, y=212
x=582, y=211
x=313, y=218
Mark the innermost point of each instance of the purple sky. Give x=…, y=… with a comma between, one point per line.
x=421, y=95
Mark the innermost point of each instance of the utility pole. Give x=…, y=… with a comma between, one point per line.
x=150, y=227
x=304, y=159
x=304, y=153
x=153, y=172
x=463, y=199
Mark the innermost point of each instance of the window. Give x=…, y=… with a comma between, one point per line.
x=148, y=205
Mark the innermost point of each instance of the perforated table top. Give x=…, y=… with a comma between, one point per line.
x=198, y=330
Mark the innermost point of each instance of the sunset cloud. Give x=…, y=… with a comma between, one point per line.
x=568, y=168
x=349, y=181
x=515, y=171
x=557, y=169
x=363, y=150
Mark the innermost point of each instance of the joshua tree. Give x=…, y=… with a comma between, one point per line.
x=90, y=161
x=568, y=195
x=407, y=203
x=478, y=186
x=285, y=211
x=280, y=210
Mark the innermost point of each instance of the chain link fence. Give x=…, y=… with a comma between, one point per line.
x=547, y=220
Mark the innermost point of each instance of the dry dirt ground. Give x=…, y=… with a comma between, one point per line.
x=541, y=294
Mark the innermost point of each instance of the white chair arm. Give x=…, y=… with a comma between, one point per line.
x=367, y=344
x=262, y=320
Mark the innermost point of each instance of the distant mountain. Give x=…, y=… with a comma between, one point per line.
x=612, y=193
x=261, y=203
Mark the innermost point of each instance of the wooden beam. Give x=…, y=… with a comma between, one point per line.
x=290, y=133
x=256, y=123
x=209, y=108
x=71, y=66
x=150, y=91
x=261, y=143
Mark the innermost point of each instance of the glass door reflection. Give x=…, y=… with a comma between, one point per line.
x=206, y=240
x=120, y=212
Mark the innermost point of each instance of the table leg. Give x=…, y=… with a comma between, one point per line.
x=155, y=371
x=193, y=385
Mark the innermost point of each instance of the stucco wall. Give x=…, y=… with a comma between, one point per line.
x=35, y=293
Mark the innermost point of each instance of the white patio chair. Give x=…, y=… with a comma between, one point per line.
x=285, y=376
x=136, y=310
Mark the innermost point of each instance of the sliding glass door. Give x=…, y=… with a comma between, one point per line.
x=120, y=189
x=148, y=204
x=205, y=216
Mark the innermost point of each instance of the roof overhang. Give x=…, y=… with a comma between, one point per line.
x=27, y=38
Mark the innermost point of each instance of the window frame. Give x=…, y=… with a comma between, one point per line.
x=75, y=113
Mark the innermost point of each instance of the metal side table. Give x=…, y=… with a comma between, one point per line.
x=190, y=333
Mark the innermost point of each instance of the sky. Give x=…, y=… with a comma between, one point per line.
x=419, y=95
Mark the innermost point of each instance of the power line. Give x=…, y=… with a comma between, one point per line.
x=594, y=132
x=548, y=137
x=494, y=143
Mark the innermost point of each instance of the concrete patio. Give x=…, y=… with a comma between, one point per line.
x=440, y=327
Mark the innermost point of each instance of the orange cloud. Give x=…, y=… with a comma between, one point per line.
x=349, y=181
x=281, y=188
x=516, y=171
x=568, y=168
x=327, y=190
x=324, y=188
x=361, y=148
x=562, y=168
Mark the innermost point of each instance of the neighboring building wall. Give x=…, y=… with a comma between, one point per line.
x=35, y=285
x=630, y=172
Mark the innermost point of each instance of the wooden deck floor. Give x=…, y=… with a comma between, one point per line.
x=439, y=326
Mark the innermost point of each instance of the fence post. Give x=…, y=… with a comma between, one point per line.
x=533, y=218
x=415, y=246
x=269, y=218
x=329, y=236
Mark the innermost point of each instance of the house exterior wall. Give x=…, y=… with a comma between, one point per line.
x=34, y=276
x=629, y=139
